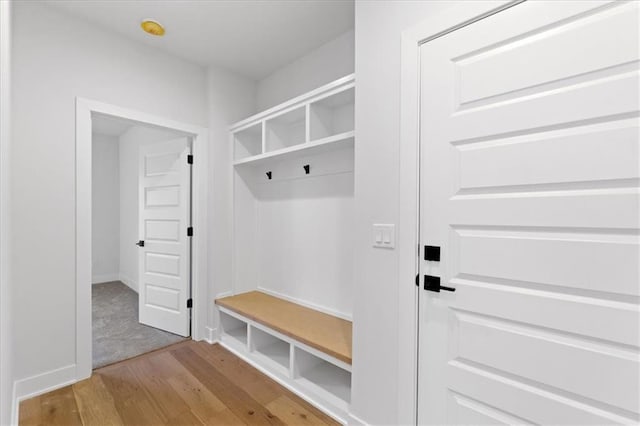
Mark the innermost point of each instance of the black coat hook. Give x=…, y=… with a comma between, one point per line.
x=307, y=169
x=269, y=175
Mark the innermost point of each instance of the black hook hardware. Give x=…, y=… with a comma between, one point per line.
x=307, y=169
x=269, y=174
x=140, y=243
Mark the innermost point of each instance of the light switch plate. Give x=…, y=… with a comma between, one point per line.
x=384, y=235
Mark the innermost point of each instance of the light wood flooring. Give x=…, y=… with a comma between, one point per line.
x=189, y=383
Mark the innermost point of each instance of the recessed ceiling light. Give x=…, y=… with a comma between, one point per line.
x=152, y=27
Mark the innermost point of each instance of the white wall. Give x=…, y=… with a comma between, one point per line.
x=129, y=146
x=105, y=209
x=6, y=329
x=329, y=62
x=64, y=58
x=379, y=25
x=230, y=98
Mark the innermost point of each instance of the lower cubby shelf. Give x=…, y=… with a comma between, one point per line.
x=272, y=350
x=317, y=377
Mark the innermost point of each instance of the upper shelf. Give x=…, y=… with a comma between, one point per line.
x=343, y=140
x=320, y=120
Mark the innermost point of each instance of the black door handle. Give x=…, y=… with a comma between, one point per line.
x=140, y=243
x=432, y=283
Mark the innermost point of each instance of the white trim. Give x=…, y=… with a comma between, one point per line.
x=408, y=249
x=40, y=384
x=212, y=335
x=306, y=304
x=7, y=398
x=356, y=421
x=84, y=109
x=105, y=278
x=131, y=283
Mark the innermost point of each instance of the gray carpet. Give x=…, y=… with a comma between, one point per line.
x=117, y=334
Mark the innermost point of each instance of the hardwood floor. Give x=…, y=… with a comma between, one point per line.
x=190, y=383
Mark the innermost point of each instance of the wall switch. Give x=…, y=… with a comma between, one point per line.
x=384, y=235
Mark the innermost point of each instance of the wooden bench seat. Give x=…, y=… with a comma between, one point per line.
x=326, y=333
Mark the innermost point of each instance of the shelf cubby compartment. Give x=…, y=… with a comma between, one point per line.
x=332, y=115
x=234, y=331
x=248, y=142
x=271, y=350
x=322, y=378
x=285, y=130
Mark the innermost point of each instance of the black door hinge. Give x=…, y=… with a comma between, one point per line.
x=190, y=231
x=189, y=303
x=189, y=159
x=418, y=280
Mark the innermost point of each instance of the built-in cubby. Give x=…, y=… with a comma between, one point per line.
x=248, y=141
x=332, y=115
x=293, y=244
x=285, y=130
x=327, y=380
x=272, y=349
x=235, y=331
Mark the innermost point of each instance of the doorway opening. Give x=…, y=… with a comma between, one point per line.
x=161, y=246
x=138, y=288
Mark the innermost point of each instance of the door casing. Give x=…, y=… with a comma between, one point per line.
x=84, y=109
x=408, y=222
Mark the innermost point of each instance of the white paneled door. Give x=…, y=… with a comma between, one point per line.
x=164, y=246
x=530, y=189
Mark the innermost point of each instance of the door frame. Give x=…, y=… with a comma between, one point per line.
x=450, y=20
x=84, y=109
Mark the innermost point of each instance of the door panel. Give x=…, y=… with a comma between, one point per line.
x=164, y=218
x=530, y=185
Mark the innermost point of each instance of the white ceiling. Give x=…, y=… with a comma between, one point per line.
x=109, y=126
x=251, y=37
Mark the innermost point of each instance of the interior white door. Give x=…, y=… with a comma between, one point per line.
x=164, y=253
x=530, y=187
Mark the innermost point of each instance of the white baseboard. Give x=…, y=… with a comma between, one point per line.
x=211, y=335
x=356, y=421
x=105, y=278
x=310, y=305
x=39, y=384
x=132, y=284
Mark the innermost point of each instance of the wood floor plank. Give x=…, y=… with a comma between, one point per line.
x=167, y=403
x=293, y=413
x=235, y=398
x=95, y=402
x=186, y=418
x=130, y=400
x=59, y=408
x=196, y=395
x=189, y=383
x=226, y=418
x=31, y=412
